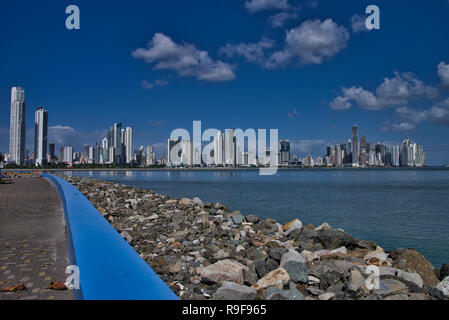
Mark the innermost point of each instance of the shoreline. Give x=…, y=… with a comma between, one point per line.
x=205, y=251
x=223, y=169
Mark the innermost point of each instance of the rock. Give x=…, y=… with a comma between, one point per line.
x=444, y=271
x=407, y=276
x=221, y=254
x=263, y=267
x=239, y=248
x=328, y=272
x=276, y=278
x=295, y=234
x=234, y=291
x=341, y=250
x=297, y=271
x=291, y=255
x=277, y=253
x=356, y=282
x=327, y=296
x=291, y=226
x=252, y=219
x=443, y=286
x=412, y=261
x=378, y=258
x=390, y=287
x=309, y=256
x=127, y=236
x=198, y=202
x=250, y=277
x=325, y=226
x=315, y=291
x=333, y=239
x=223, y=270
x=185, y=202
x=419, y=296
x=274, y=293
x=397, y=297
x=238, y=219
x=313, y=281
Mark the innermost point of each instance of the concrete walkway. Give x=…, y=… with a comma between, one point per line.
x=33, y=246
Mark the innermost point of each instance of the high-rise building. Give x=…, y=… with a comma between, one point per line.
x=338, y=157
x=40, y=136
x=17, y=128
x=285, y=151
x=129, y=144
x=355, y=147
x=218, y=149
x=68, y=155
x=187, y=153
x=51, y=151
x=150, y=156
x=395, y=156
x=173, y=156
x=117, y=143
x=229, y=148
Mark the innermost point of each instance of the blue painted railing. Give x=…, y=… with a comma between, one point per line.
x=109, y=268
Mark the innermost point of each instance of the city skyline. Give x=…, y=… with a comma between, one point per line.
x=234, y=148
x=312, y=98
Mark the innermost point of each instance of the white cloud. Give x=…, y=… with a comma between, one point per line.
x=443, y=73
x=396, y=91
x=261, y=5
x=293, y=114
x=185, y=59
x=279, y=20
x=310, y=43
x=410, y=117
x=148, y=85
x=358, y=23
x=68, y=136
x=404, y=126
x=252, y=52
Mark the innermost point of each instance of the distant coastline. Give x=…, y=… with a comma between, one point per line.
x=443, y=167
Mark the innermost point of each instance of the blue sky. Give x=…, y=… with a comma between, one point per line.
x=307, y=68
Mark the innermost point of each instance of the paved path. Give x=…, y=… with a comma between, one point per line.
x=33, y=246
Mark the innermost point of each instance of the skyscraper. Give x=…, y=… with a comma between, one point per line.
x=285, y=151
x=129, y=144
x=51, y=151
x=229, y=148
x=174, y=147
x=17, y=127
x=395, y=156
x=40, y=136
x=355, y=147
x=218, y=149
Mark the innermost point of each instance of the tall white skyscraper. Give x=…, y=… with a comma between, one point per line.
x=40, y=136
x=229, y=148
x=129, y=144
x=68, y=155
x=150, y=156
x=187, y=153
x=17, y=127
x=218, y=149
x=395, y=156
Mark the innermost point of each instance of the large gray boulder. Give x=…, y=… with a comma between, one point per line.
x=235, y=291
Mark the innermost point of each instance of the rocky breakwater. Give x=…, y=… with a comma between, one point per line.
x=206, y=251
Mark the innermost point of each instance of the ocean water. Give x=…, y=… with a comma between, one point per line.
x=398, y=208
